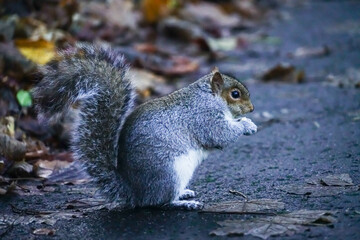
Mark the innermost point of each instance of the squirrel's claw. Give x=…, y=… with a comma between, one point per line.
x=186, y=205
x=186, y=194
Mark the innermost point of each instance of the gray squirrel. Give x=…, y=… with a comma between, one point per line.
x=145, y=155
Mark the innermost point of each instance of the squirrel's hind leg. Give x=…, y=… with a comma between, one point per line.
x=186, y=204
x=186, y=194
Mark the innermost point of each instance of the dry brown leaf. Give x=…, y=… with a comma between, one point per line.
x=145, y=82
x=39, y=51
x=181, y=30
x=154, y=10
x=251, y=206
x=350, y=79
x=44, y=231
x=337, y=180
x=44, y=168
x=3, y=191
x=302, y=52
x=211, y=14
x=169, y=65
x=75, y=173
x=9, y=187
x=324, y=186
x=2, y=166
x=7, y=126
x=288, y=223
x=12, y=149
x=284, y=73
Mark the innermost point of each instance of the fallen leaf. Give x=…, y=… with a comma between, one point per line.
x=44, y=231
x=24, y=98
x=222, y=44
x=32, y=190
x=324, y=186
x=3, y=191
x=87, y=204
x=169, y=65
x=258, y=229
x=144, y=80
x=21, y=169
x=316, y=191
x=11, y=148
x=121, y=13
x=44, y=168
x=337, y=180
x=305, y=217
x=316, y=124
x=209, y=14
x=302, y=52
x=8, y=187
x=284, y=73
x=75, y=173
x=350, y=79
x=39, y=51
x=147, y=83
x=180, y=29
x=2, y=166
x=269, y=40
x=154, y=10
x=265, y=227
x=49, y=218
x=251, y=206
x=7, y=126
x=355, y=115
x=247, y=8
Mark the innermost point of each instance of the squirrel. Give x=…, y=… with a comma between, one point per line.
x=148, y=154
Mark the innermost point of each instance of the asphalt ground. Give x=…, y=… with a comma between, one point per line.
x=306, y=130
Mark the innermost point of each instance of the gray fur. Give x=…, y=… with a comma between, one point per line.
x=158, y=131
x=95, y=81
x=131, y=155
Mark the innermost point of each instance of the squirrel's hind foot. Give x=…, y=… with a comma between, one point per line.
x=186, y=194
x=186, y=205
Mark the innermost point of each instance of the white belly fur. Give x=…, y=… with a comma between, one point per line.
x=185, y=166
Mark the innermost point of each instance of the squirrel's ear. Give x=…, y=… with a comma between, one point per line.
x=214, y=70
x=216, y=82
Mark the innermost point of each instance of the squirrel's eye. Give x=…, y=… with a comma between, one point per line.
x=235, y=94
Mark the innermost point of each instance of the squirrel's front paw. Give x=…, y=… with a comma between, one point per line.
x=249, y=126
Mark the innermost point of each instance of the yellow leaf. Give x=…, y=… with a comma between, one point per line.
x=154, y=10
x=39, y=51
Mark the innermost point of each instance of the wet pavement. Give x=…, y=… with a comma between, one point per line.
x=305, y=130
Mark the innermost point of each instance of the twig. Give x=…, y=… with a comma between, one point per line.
x=238, y=193
x=29, y=212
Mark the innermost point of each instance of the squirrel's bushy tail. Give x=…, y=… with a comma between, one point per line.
x=95, y=82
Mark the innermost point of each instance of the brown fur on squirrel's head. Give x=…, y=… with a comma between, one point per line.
x=235, y=93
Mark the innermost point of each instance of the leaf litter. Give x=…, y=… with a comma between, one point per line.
x=244, y=207
x=324, y=186
x=44, y=231
x=282, y=224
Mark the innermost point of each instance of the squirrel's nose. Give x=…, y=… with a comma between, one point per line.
x=252, y=108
